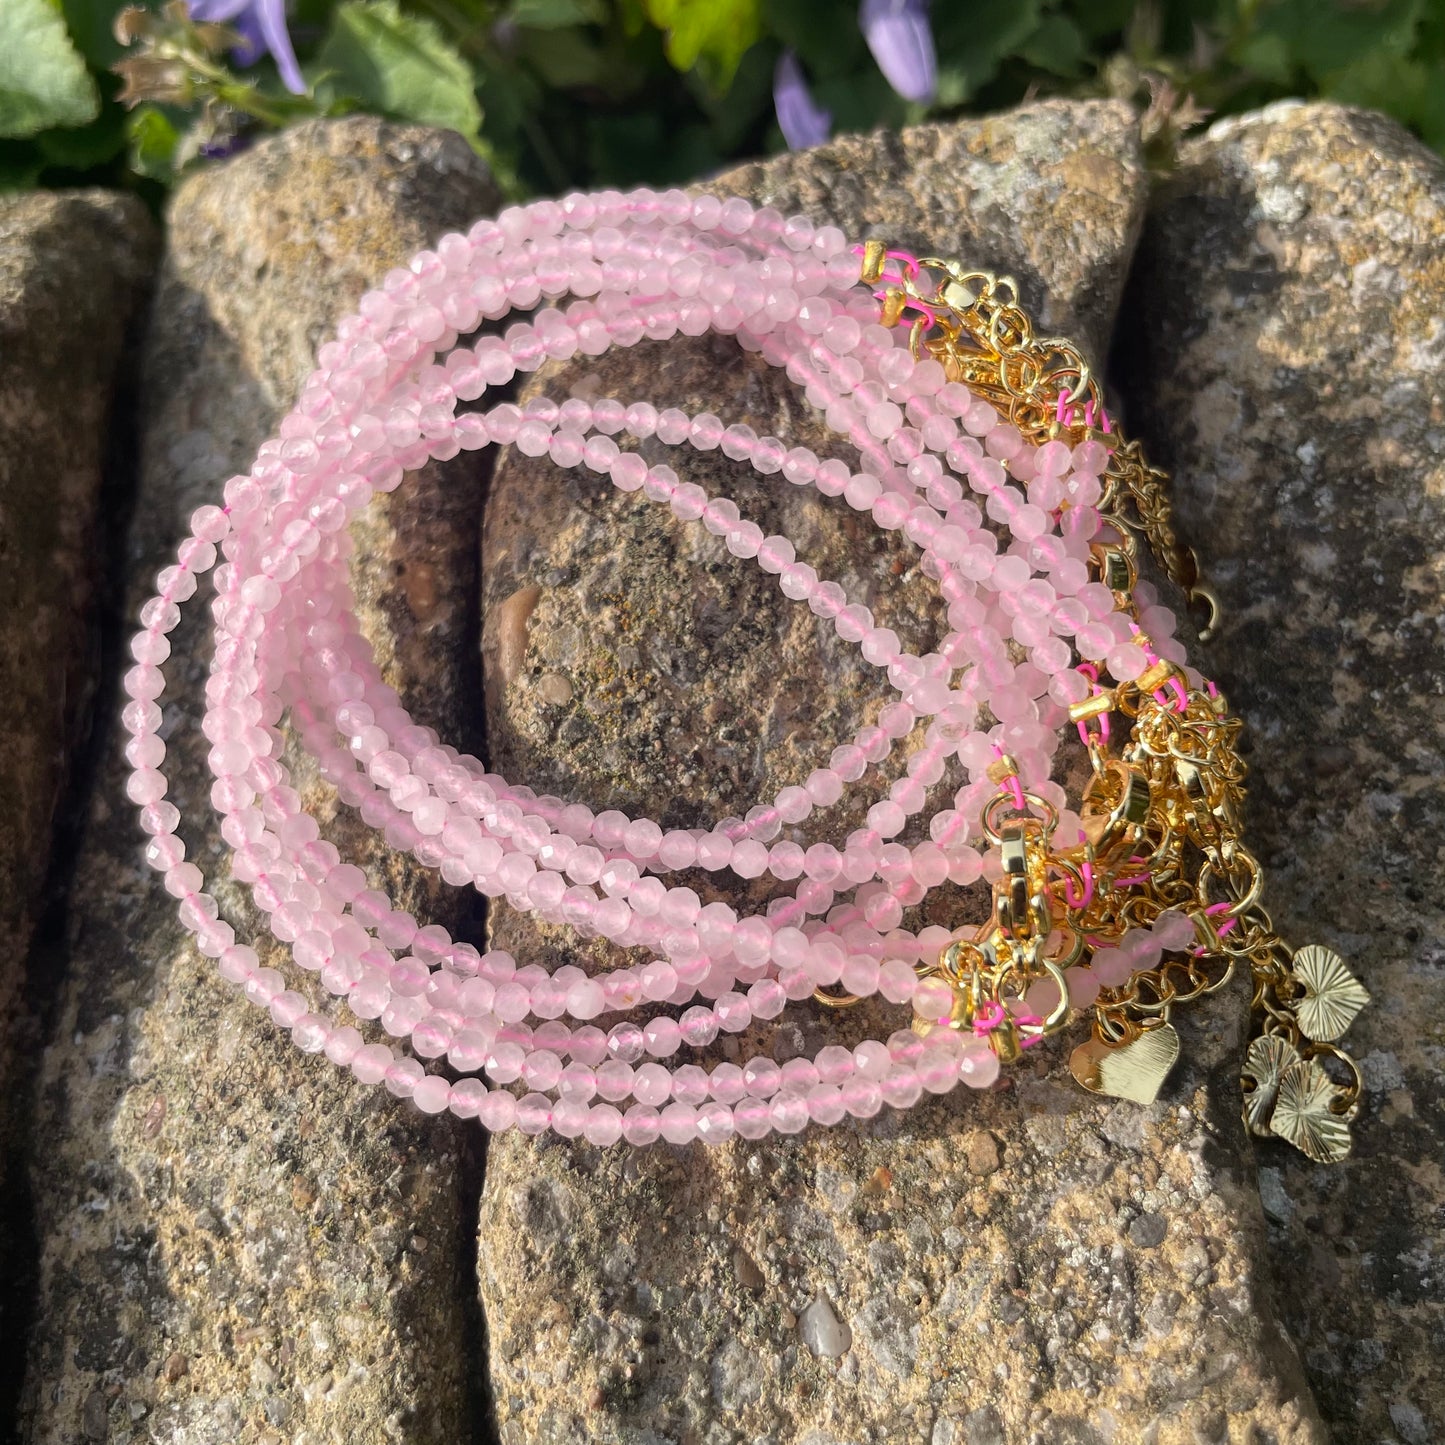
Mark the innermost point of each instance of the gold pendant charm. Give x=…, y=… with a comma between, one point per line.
x=1135, y=1070
x=1303, y=1113
x=1264, y=1065
x=1333, y=995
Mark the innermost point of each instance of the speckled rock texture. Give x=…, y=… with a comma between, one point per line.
x=74, y=267
x=237, y=1243
x=1033, y=1264
x=1285, y=359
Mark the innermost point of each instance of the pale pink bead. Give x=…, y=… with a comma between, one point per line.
x=733, y=1011
x=978, y=1067
x=901, y=1087
x=789, y=1112
x=1083, y=987
x=641, y=1125
x=651, y=1084
x=1111, y=967
x=727, y=1084
x=534, y=1113
x=431, y=1094
x=752, y=1118
x=938, y=1069
x=678, y=1123
x=933, y=999
x=569, y=1117
x=766, y=998
x=498, y=1111
x=465, y=1098
x=604, y=1125
x=698, y=1026
x=897, y=980
x=1173, y=931
x=862, y=1097
x=761, y=1077
x=714, y=1123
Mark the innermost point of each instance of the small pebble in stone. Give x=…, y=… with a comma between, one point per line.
x=823, y=1332
x=983, y=1156
x=747, y=1271
x=554, y=689
x=176, y=1365
x=879, y=1181
x=1148, y=1231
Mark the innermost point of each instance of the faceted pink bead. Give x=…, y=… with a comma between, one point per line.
x=726, y=1083
x=569, y=1117
x=714, y=1123
x=498, y=1111
x=651, y=1084
x=978, y=1067
x=679, y=1123
x=466, y=1097
x=901, y=1088
x=663, y=1036
x=641, y=1125
x=534, y=1113
x=752, y=1118
x=604, y=1125
x=432, y=1094
x=862, y=1097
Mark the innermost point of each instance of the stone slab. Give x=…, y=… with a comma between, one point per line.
x=236, y=1242
x=1028, y=1265
x=1285, y=350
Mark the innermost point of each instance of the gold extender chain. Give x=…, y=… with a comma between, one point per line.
x=1161, y=815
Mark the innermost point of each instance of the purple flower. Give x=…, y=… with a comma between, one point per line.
x=899, y=36
x=803, y=121
x=262, y=26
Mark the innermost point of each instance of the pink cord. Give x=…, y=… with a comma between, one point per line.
x=1088, y=895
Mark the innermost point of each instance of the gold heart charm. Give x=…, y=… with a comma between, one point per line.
x=1333, y=995
x=1264, y=1065
x=1303, y=1116
x=1135, y=1070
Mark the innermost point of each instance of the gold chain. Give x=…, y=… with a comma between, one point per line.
x=1161, y=847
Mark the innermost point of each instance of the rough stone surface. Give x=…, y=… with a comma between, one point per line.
x=73, y=271
x=1286, y=364
x=236, y=1242
x=1034, y=1264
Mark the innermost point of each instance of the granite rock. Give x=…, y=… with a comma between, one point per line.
x=1284, y=356
x=235, y=1241
x=74, y=267
x=1033, y=1264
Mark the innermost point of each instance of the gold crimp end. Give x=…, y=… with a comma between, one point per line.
x=1095, y=706
x=874, y=254
x=1001, y=769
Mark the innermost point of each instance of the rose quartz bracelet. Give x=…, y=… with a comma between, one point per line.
x=1003, y=527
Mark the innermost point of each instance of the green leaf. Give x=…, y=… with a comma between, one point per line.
x=554, y=14
x=974, y=39
x=154, y=141
x=563, y=58
x=92, y=28
x=811, y=27
x=43, y=81
x=20, y=165
x=86, y=146
x=400, y=65
x=1056, y=46
x=710, y=34
x=1326, y=36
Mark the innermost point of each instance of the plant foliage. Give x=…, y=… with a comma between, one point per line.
x=563, y=93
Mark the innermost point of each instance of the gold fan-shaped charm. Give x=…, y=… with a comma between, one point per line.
x=1264, y=1065
x=1333, y=995
x=1302, y=1113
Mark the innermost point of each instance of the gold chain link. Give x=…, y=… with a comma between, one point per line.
x=1162, y=814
